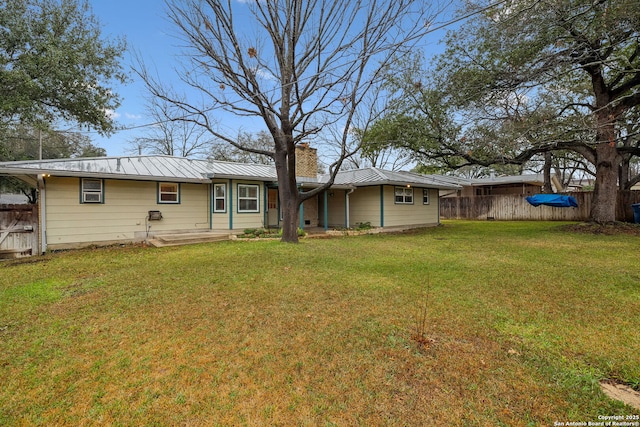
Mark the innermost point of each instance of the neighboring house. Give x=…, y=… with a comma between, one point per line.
x=125, y=199
x=498, y=186
x=13, y=199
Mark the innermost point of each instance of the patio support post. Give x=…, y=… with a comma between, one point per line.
x=347, y=213
x=301, y=215
x=326, y=210
x=230, y=204
x=265, y=208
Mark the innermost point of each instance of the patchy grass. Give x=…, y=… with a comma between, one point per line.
x=519, y=321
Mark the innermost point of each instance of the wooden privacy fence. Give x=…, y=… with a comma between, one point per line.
x=18, y=230
x=515, y=207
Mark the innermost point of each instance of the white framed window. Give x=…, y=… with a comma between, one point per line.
x=404, y=196
x=91, y=190
x=248, y=196
x=425, y=196
x=168, y=192
x=219, y=197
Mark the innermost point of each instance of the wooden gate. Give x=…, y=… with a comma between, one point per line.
x=18, y=231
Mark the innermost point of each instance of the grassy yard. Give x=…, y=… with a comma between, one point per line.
x=522, y=321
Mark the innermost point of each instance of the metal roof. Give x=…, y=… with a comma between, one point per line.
x=496, y=180
x=153, y=168
x=375, y=176
x=512, y=179
x=13, y=199
x=242, y=170
x=180, y=169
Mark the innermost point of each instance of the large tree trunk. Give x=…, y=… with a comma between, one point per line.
x=603, y=208
x=546, y=188
x=607, y=159
x=288, y=192
x=290, y=219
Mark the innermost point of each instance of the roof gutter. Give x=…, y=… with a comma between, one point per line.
x=212, y=176
x=333, y=187
x=435, y=186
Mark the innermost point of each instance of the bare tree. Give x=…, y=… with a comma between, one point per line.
x=299, y=65
x=170, y=135
x=222, y=150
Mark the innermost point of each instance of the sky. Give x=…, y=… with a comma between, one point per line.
x=148, y=31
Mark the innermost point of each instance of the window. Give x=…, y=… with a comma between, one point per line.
x=168, y=192
x=91, y=191
x=404, y=195
x=219, y=198
x=425, y=196
x=248, y=198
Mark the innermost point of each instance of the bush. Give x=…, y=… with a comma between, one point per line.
x=363, y=226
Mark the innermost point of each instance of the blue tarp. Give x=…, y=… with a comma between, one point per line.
x=555, y=200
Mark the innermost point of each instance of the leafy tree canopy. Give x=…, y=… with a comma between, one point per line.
x=54, y=64
x=528, y=77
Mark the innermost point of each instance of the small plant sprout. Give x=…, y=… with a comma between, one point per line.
x=419, y=334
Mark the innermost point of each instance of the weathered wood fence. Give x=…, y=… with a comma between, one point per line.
x=515, y=207
x=18, y=230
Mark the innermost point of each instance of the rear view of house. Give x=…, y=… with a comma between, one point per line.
x=106, y=200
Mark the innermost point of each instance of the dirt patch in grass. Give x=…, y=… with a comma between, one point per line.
x=621, y=392
x=610, y=229
x=22, y=261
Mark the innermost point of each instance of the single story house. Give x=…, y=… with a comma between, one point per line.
x=106, y=200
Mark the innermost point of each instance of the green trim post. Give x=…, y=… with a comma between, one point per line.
x=230, y=205
x=211, y=198
x=301, y=215
x=326, y=210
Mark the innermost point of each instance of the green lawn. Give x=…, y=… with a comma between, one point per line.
x=522, y=321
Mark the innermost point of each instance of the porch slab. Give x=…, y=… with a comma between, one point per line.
x=163, y=240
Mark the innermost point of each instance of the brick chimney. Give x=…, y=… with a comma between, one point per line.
x=306, y=161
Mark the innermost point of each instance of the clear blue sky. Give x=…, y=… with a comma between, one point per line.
x=147, y=30
x=144, y=25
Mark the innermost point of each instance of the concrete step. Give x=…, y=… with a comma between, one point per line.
x=163, y=240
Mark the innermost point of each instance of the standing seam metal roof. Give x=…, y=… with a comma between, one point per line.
x=375, y=176
x=158, y=168
x=144, y=168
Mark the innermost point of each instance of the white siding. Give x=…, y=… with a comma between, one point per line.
x=396, y=215
x=122, y=216
x=220, y=220
x=336, y=209
x=364, y=206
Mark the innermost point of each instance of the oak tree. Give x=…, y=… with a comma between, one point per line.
x=526, y=77
x=55, y=65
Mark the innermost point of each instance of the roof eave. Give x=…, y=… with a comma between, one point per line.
x=212, y=176
x=102, y=175
x=410, y=184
